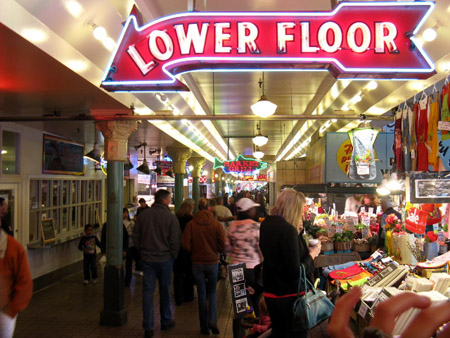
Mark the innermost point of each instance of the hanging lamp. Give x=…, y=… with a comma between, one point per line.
x=258, y=154
x=94, y=154
x=259, y=140
x=263, y=108
x=143, y=168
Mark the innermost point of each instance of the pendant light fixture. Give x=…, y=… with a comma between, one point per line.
x=260, y=140
x=143, y=168
x=258, y=154
x=95, y=154
x=263, y=108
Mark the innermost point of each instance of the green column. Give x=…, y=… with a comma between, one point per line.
x=179, y=190
x=196, y=191
x=116, y=135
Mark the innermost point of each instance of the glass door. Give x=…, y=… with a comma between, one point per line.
x=9, y=214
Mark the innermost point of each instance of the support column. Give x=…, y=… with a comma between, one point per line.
x=216, y=183
x=197, y=163
x=179, y=157
x=116, y=134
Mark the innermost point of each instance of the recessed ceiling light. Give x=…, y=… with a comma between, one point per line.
x=74, y=8
x=99, y=33
x=429, y=34
x=372, y=85
x=34, y=35
x=78, y=66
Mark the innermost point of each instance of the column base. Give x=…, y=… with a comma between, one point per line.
x=113, y=313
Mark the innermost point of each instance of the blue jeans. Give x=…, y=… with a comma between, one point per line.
x=152, y=271
x=202, y=273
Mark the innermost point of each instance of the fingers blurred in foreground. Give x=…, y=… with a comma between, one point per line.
x=338, y=326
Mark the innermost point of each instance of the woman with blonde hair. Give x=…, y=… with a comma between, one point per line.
x=284, y=249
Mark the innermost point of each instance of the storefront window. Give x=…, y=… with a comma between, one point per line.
x=71, y=204
x=9, y=152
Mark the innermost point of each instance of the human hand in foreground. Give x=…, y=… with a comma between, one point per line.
x=423, y=326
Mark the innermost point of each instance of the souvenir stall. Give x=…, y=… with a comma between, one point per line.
x=404, y=246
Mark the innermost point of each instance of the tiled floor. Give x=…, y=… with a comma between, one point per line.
x=70, y=309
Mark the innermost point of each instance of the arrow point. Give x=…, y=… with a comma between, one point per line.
x=137, y=14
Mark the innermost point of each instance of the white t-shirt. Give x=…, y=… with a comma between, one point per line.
x=352, y=204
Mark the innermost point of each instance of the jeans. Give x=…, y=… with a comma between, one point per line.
x=163, y=272
x=202, y=273
x=7, y=325
x=90, y=265
x=132, y=254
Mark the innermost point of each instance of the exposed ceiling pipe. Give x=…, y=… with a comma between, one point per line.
x=229, y=117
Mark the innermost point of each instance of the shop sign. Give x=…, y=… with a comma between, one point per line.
x=165, y=181
x=164, y=165
x=240, y=165
x=416, y=221
x=380, y=43
x=201, y=180
x=254, y=178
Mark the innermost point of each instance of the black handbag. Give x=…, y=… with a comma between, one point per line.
x=311, y=308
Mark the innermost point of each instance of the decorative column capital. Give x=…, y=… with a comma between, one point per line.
x=179, y=157
x=116, y=134
x=197, y=163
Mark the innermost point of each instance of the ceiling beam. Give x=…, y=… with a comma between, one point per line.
x=189, y=118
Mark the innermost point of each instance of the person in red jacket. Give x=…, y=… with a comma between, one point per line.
x=16, y=284
x=204, y=238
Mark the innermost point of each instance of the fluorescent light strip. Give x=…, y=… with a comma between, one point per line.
x=133, y=19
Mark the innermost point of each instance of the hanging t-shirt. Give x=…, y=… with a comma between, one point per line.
x=362, y=165
x=413, y=136
x=398, y=151
x=422, y=135
x=433, y=141
x=445, y=111
x=406, y=112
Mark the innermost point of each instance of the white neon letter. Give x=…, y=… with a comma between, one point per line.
x=306, y=47
x=192, y=37
x=282, y=36
x=382, y=39
x=154, y=48
x=247, y=34
x=351, y=37
x=145, y=68
x=323, y=41
x=221, y=37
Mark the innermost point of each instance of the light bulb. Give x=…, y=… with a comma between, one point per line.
x=264, y=108
x=260, y=140
x=191, y=168
x=429, y=34
x=372, y=85
x=99, y=32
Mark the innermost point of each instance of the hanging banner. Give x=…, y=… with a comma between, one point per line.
x=416, y=221
x=241, y=165
x=379, y=44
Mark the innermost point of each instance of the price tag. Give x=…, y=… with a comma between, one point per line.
x=363, y=310
x=362, y=169
x=365, y=220
x=365, y=233
x=435, y=227
x=444, y=125
x=370, y=211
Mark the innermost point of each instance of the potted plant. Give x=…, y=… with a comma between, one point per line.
x=327, y=244
x=343, y=241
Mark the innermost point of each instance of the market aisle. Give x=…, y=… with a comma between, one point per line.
x=71, y=310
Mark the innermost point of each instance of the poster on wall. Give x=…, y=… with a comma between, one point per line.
x=430, y=187
x=338, y=150
x=62, y=156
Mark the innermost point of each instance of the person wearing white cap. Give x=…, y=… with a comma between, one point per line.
x=242, y=243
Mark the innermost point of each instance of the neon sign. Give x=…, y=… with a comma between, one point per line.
x=355, y=40
x=240, y=165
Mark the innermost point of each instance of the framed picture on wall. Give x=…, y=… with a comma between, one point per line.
x=62, y=156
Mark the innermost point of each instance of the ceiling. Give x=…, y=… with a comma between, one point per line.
x=37, y=78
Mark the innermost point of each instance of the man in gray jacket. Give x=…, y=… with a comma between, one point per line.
x=156, y=236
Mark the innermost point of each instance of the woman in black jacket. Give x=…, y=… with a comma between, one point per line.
x=284, y=249
x=183, y=280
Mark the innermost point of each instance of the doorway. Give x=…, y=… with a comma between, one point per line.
x=9, y=193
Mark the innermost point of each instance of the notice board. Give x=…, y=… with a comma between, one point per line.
x=238, y=290
x=48, y=234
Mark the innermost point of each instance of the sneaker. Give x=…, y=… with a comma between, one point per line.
x=86, y=282
x=214, y=328
x=168, y=326
x=94, y=281
x=148, y=333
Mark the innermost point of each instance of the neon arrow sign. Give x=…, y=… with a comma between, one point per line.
x=380, y=43
x=240, y=165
